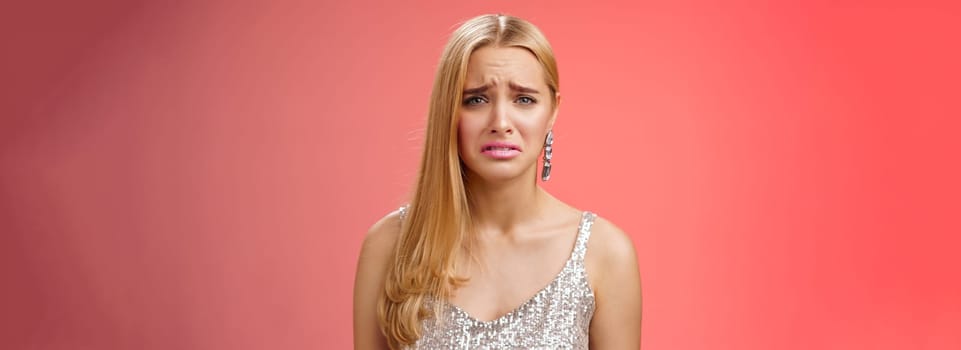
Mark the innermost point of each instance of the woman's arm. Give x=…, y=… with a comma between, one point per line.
x=369, y=282
x=617, y=289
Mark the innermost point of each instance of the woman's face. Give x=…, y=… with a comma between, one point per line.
x=505, y=114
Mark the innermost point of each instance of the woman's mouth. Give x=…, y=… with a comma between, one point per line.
x=500, y=150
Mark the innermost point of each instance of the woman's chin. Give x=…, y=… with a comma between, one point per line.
x=497, y=175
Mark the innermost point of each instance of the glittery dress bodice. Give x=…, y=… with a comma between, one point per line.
x=557, y=317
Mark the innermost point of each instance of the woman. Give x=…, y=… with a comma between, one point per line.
x=483, y=257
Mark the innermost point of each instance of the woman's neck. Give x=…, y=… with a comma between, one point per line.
x=502, y=207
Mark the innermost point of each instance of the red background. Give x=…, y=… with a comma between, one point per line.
x=200, y=175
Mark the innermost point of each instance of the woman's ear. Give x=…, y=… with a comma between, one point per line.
x=557, y=105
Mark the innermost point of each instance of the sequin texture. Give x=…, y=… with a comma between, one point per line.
x=557, y=317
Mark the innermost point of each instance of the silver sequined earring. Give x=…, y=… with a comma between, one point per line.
x=546, y=173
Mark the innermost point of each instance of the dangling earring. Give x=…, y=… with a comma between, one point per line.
x=546, y=173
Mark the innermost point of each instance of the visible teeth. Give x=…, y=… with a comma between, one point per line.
x=499, y=148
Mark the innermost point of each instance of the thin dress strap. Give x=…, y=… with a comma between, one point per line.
x=583, y=234
x=403, y=212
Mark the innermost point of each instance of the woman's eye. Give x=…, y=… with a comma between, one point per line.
x=525, y=100
x=474, y=100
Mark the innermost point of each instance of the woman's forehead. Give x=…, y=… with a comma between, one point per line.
x=499, y=66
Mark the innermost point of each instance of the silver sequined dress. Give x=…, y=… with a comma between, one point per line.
x=557, y=317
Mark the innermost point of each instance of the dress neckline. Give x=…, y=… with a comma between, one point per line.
x=567, y=265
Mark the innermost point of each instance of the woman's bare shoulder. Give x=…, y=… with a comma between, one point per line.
x=372, y=266
x=615, y=279
x=382, y=235
x=612, y=240
x=609, y=247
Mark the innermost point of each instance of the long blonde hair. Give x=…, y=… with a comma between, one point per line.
x=438, y=221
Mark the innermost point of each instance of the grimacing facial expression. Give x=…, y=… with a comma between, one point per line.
x=506, y=111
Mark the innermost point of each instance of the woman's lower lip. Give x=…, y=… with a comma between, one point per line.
x=501, y=153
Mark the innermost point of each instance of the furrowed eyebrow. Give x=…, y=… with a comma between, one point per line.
x=524, y=89
x=476, y=90
x=513, y=86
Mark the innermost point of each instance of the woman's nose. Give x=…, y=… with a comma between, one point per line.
x=501, y=122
